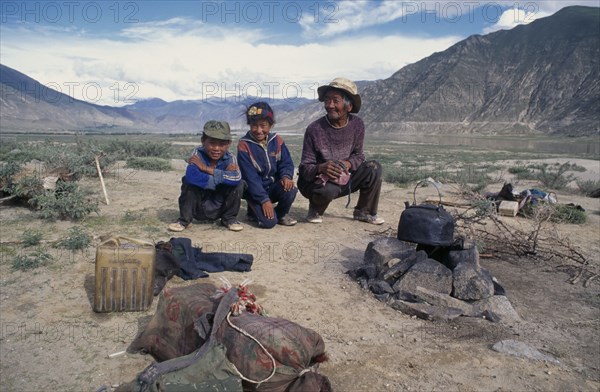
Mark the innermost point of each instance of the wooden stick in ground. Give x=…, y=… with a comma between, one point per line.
x=101, y=180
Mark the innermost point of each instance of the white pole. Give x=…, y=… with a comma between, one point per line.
x=101, y=180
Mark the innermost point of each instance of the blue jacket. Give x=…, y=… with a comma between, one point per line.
x=262, y=167
x=226, y=172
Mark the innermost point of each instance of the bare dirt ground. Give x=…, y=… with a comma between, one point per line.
x=52, y=340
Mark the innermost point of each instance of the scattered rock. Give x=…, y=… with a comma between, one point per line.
x=471, y=283
x=469, y=255
x=439, y=299
x=425, y=311
x=363, y=282
x=380, y=287
x=404, y=265
x=428, y=274
x=383, y=297
x=378, y=252
x=406, y=296
x=520, y=349
x=369, y=270
x=498, y=309
x=498, y=288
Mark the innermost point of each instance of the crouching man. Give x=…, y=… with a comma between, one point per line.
x=212, y=187
x=333, y=162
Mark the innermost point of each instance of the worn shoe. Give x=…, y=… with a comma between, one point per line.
x=313, y=216
x=287, y=221
x=177, y=226
x=233, y=225
x=368, y=218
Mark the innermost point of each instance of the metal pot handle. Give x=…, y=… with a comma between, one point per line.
x=415, y=191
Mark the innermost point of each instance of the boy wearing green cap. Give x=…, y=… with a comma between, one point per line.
x=212, y=187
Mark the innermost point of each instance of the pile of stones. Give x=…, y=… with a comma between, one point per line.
x=433, y=283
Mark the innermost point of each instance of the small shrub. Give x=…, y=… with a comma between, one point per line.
x=78, y=161
x=558, y=213
x=564, y=213
x=577, y=168
x=586, y=187
x=479, y=186
x=471, y=177
x=32, y=238
x=152, y=149
x=77, y=239
x=125, y=149
x=27, y=188
x=38, y=258
x=522, y=172
x=68, y=201
x=481, y=246
x=7, y=172
x=518, y=169
x=16, y=152
x=554, y=177
x=120, y=149
x=403, y=175
x=483, y=208
x=152, y=164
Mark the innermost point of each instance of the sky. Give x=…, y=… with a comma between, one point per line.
x=117, y=52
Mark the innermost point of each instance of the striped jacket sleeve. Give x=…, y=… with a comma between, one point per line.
x=227, y=172
x=231, y=175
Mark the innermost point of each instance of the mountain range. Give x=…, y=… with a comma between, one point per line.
x=539, y=78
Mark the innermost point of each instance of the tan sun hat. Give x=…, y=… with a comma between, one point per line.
x=347, y=86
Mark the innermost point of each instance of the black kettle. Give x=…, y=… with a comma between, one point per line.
x=426, y=224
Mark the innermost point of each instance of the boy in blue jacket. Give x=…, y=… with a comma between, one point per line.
x=212, y=187
x=267, y=168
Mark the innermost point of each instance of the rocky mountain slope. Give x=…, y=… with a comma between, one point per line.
x=190, y=115
x=542, y=77
x=26, y=104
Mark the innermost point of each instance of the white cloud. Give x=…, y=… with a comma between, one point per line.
x=512, y=18
x=527, y=12
x=336, y=18
x=339, y=17
x=180, y=59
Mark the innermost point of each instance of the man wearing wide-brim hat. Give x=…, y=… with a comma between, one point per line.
x=333, y=163
x=212, y=187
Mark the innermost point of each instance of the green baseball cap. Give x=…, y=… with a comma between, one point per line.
x=217, y=130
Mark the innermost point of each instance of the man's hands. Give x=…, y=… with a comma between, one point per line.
x=287, y=184
x=333, y=169
x=268, y=209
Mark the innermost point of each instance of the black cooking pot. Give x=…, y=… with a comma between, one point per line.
x=426, y=224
